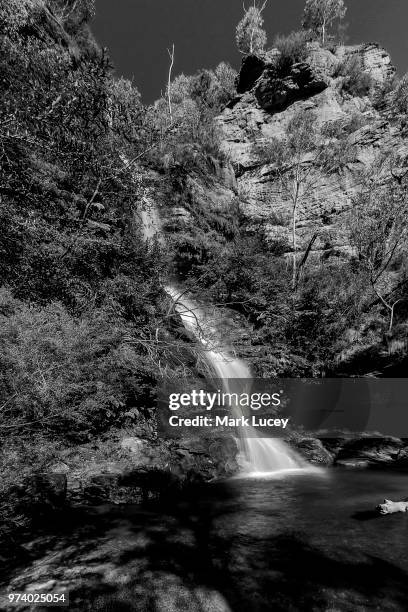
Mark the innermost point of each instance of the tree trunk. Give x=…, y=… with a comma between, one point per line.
x=295, y=201
x=304, y=259
x=171, y=54
x=324, y=25
x=294, y=245
x=392, y=310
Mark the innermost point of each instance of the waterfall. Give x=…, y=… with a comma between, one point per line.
x=259, y=457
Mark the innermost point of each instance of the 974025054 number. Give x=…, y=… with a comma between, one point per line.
x=51, y=599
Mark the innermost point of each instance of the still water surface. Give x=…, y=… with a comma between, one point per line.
x=298, y=543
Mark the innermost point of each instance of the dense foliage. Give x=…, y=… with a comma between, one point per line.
x=81, y=307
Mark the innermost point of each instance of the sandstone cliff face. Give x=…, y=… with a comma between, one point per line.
x=261, y=113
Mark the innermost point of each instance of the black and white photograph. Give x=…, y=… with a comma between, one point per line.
x=204, y=305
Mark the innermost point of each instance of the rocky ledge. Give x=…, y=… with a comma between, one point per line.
x=354, y=453
x=126, y=469
x=262, y=111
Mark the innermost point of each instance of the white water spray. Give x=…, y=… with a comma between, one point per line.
x=259, y=457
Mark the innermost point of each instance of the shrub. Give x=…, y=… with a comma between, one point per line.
x=356, y=121
x=400, y=96
x=337, y=155
x=65, y=376
x=356, y=81
x=268, y=151
x=226, y=77
x=13, y=16
x=292, y=48
x=196, y=101
x=333, y=129
x=341, y=128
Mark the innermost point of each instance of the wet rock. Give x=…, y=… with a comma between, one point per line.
x=96, y=494
x=391, y=507
x=105, y=481
x=401, y=459
x=353, y=464
x=74, y=490
x=374, y=451
x=59, y=468
x=132, y=444
x=150, y=483
x=50, y=489
x=313, y=450
x=145, y=469
x=39, y=494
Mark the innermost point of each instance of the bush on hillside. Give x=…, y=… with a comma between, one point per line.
x=292, y=48
x=399, y=96
x=356, y=81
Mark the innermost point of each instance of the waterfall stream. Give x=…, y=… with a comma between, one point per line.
x=259, y=457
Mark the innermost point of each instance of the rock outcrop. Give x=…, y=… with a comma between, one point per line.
x=133, y=469
x=359, y=452
x=313, y=450
x=274, y=94
x=262, y=112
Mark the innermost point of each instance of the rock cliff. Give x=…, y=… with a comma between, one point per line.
x=262, y=111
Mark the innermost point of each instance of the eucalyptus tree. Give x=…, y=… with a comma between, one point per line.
x=250, y=35
x=294, y=159
x=320, y=15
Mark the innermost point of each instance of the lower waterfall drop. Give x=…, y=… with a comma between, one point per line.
x=259, y=457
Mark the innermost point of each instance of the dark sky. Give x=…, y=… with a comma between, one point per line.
x=138, y=33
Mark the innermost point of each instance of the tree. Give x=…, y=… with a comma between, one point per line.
x=171, y=56
x=319, y=16
x=378, y=231
x=66, y=9
x=250, y=36
x=226, y=76
x=294, y=160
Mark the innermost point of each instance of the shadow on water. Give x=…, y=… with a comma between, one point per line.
x=224, y=548
x=366, y=515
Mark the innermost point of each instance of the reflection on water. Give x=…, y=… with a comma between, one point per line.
x=303, y=543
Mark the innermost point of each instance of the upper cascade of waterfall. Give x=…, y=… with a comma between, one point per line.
x=194, y=318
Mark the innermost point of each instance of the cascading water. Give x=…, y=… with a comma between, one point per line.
x=260, y=457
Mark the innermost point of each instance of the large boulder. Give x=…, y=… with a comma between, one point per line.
x=40, y=492
x=313, y=450
x=251, y=69
x=136, y=468
x=275, y=94
x=372, y=451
